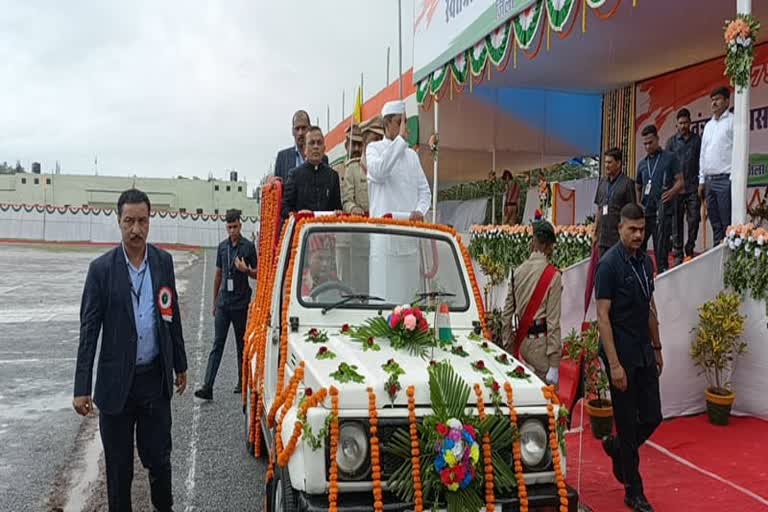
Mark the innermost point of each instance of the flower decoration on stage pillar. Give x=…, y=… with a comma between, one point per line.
x=740, y=38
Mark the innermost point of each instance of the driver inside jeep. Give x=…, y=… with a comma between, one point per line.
x=321, y=268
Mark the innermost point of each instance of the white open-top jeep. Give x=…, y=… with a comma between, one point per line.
x=351, y=383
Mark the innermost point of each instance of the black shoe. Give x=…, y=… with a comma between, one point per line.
x=238, y=389
x=638, y=503
x=204, y=393
x=608, y=442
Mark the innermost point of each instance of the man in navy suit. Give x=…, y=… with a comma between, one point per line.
x=130, y=297
x=292, y=157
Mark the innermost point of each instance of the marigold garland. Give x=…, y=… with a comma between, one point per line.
x=552, y=400
x=270, y=469
x=490, y=499
x=418, y=496
x=333, y=479
x=313, y=401
x=373, y=419
x=522, y=492
x=283, y=455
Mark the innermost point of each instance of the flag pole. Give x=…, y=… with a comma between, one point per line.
x=400, y=44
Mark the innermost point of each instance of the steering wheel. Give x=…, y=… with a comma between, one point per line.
x=331, y=285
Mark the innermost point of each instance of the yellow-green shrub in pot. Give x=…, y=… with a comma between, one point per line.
x=717, y=343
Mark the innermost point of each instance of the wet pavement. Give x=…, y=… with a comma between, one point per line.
x=49, y=456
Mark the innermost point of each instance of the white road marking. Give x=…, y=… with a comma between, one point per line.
x=192, y=460
x=703, y=471
x=25, y=361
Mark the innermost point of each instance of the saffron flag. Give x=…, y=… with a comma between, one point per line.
x=357, y=113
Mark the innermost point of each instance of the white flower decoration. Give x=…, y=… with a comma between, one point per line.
x=731, y=245
x=737, y=242
x=760, y=240
x=758, y=252
x=453, y=423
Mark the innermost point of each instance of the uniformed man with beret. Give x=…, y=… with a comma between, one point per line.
x=531, y=316
x=354, y=187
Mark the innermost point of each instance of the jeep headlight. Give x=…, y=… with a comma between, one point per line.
x=533, y=444
x=352, y=452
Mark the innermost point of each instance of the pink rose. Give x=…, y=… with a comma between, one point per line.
x=410, y=322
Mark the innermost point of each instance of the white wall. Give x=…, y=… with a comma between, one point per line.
x=50, y=225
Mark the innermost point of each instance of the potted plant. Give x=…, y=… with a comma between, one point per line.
x=597, y=403
x=717, y=343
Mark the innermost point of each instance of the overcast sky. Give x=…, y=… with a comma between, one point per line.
x=182, y=86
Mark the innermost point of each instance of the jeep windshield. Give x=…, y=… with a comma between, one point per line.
x=398, y=266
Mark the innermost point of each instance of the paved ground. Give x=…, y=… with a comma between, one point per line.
x=49, y=457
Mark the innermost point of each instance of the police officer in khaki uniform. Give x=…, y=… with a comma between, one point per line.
x=354, y=189
x=534, y=298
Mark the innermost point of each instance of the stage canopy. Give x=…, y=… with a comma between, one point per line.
x=527, y=78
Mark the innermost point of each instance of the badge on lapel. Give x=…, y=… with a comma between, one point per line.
x=165, y=302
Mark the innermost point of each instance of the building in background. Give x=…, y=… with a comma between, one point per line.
x=184, y=195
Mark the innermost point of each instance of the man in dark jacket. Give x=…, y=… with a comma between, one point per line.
x=292, y=157
x=313, y=186
x=130, y=298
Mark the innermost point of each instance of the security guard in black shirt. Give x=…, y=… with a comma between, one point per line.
x=235, y=263
x=631, y=350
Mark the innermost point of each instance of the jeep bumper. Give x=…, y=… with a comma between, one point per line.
x=540, y=497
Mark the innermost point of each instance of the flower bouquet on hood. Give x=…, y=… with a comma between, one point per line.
x=405, y=327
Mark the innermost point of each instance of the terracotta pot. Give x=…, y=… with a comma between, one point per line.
x=600, y=418
x=719, y=406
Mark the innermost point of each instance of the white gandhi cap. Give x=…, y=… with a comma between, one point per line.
x=393, y=108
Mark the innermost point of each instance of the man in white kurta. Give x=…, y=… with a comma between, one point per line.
x=396, y=185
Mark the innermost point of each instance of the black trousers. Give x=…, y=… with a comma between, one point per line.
x=661, y=233
x=637, y=414
x=147, y=415
x=224, y=317
x=688, y=207
x=718, y=197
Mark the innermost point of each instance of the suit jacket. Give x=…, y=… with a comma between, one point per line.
x=106, y=307
x=286, y=160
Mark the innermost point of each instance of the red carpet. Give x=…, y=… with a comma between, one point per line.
x=706, y=469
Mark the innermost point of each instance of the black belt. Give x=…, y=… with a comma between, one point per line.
x=538, y=328
x=720, y=176
x=146, y=368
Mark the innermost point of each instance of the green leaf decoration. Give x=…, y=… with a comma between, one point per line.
x=325, y=353
x=316, y=336
x=450, y=397
x=458, y=350
x=416, y=343
x=347, y=373
x=479, y=366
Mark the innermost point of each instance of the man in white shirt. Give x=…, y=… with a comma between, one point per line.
x=396, y=181
x=715, y=164
x=397, y=186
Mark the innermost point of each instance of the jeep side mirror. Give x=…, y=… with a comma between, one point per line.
x=477, y=327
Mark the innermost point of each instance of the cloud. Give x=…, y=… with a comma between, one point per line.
x=182, y=87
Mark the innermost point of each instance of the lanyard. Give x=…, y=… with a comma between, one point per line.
x=652, y=172
x=137, y=293
x=229, y=257
x=644, y=284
